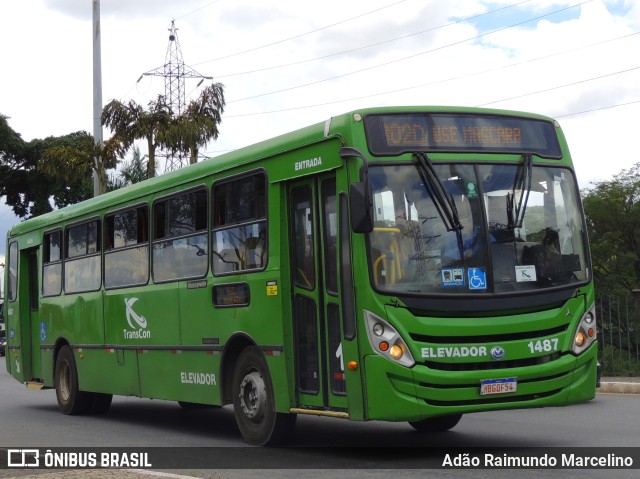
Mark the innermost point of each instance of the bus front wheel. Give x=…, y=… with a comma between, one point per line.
x=253, y=402
x=436, y=424
x=71, y=400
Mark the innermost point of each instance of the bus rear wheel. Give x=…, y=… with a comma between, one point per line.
x=71, y=400
x=436, y=424
x=253, y=402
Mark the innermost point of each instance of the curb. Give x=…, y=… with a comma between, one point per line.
x=619, y=388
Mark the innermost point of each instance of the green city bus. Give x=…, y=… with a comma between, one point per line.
x=398, y=264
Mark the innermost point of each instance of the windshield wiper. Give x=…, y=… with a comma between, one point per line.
x=445, y=205
x=522, y=183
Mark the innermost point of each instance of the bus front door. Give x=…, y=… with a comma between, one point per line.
x=319, y=363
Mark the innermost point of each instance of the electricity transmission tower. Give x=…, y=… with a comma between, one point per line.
x=174, y=72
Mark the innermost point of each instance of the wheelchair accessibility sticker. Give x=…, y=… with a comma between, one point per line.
x=477, y=278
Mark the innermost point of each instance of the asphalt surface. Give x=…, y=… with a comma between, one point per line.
x=629, y=385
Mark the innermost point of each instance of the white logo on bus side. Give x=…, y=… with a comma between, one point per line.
x=131, y=314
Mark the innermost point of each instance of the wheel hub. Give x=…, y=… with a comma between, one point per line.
x=253, y=396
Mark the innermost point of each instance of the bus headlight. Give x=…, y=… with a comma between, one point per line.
x=386, y=341
x=585, y=334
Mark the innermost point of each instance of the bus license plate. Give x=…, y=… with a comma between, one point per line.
x=498, y=386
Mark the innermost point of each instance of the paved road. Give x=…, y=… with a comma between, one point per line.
x=30, y=419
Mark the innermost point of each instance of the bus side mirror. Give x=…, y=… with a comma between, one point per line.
x=360, y=208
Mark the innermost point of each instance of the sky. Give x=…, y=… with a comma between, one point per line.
x=286, y=64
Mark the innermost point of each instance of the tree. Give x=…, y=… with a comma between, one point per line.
x=133, y=171
x=70, y=160
x=130, y=122
x=198, y=123
x=32, y=173
x=612, y=209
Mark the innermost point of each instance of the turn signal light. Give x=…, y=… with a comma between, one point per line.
x=384, y=346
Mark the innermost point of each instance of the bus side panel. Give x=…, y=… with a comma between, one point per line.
x=87, y=328
x=181, y=375
x=151, y=324
x=112, y=371
x=194, y=373
x=51, y=316
x=137, y=320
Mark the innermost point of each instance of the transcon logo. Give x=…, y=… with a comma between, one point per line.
x=137, y=322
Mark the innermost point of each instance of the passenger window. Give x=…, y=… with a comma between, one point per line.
x=180, y=237
x=52, y=264
x=239, y=233
x=12, y=283
x=126, y=259
x=82, y=265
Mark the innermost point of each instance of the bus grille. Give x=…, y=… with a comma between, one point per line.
x=488, y=338
x=483, y=366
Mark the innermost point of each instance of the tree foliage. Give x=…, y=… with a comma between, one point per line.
x=130, y=122
x=612, y=209
x=32, y=173
x=161, y=128
x=198, y=123
x=131, y=171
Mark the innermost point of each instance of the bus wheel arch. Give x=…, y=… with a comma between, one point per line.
x=232, y=351
x=71, y=400
x=254, y=403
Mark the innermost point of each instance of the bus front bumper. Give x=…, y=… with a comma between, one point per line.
x=396, y=393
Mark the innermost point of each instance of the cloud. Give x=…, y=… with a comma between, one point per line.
x=341, y=56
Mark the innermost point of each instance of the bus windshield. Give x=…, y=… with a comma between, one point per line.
x=516, y=235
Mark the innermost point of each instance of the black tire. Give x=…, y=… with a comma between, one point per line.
x=71, y=400
x=436, y=424
x=100, y=403
x=253, y=402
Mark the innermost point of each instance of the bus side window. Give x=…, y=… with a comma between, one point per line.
x=52, y=264
x=239, y=232
x=126, y=259
x=82, y=262
x=180, y=243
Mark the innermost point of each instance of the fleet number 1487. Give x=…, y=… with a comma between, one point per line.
x=543, y=345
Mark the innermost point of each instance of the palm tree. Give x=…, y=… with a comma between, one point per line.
x=131, y=122
x=198, y=123
x=132, y=171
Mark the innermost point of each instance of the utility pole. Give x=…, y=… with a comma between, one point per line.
x=98, y=181
x=174, y=72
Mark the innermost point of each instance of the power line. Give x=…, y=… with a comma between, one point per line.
x=561, y=86
x=371, y=45
x=609, y=107
x=301, y=34
x=197, y=10
x=415, y=55
x=446, y=80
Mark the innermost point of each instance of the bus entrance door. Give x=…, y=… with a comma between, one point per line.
x=313, y=224
x=29, y=368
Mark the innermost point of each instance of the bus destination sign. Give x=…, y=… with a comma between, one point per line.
x=396, y=134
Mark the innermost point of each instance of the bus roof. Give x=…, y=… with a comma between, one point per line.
x=244, y=156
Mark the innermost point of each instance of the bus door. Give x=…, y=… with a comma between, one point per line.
x=313, y=227
x=32, y=330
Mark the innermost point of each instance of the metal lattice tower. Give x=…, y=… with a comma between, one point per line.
x=174, y=72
